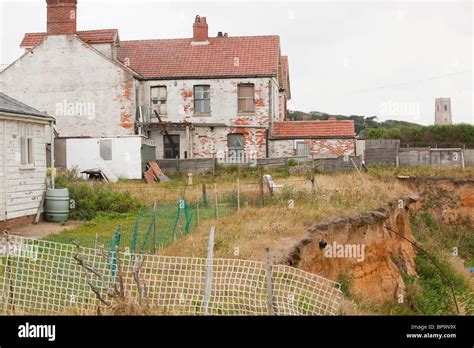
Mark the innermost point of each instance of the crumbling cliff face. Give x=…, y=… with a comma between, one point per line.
x=449, y=201
x=372, y=251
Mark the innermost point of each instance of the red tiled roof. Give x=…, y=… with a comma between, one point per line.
x=326, y=129
x=222, y=57
x=88, y=36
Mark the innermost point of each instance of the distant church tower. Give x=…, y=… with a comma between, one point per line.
x=443, y=111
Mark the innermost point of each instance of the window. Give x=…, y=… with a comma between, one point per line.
x=158, y=100
x=171, y=146
x=246, y=98
x=302, y=148
x=202, y=99
x=27, y=148
x=235, y=141
x=235, y=145
x=445, y=108
x=106, y=149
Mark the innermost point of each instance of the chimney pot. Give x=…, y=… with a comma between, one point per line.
x=200, y=29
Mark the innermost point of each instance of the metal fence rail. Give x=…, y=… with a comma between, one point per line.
x=42, y=277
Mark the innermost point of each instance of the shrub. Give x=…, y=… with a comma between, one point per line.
x=93, y=198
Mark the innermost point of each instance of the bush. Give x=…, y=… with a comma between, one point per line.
x=442, y=135
x=91, y=199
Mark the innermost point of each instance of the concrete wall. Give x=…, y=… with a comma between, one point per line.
x=21, y=188
x=87, y=94
x=126, y=155
x=381, y=151
x=469, y=157
x=427, y=156
x=319, y=148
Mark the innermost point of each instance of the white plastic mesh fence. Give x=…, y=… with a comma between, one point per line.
x=42, y=277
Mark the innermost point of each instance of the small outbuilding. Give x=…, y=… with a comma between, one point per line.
x=25, y=134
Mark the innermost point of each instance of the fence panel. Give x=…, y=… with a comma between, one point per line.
x=42, y=277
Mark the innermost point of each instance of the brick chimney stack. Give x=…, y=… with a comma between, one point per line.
x=61, y=17
x=200, y=30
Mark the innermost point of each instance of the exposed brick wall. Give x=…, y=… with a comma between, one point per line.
x=17, y=222
x=332, y=147
x=61, y=17
x=213, y=143
x=318, y=147
x=200, y=29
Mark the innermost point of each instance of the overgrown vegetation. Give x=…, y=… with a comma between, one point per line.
x=440, y=135
x=360, y=122
x=90, y=199
x=450, y=249
x=385, y=172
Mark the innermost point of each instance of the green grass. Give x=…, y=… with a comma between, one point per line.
x=170, y=225
x=383, y=172
x=430, y=292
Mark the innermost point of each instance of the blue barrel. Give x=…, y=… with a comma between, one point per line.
x=56, y=205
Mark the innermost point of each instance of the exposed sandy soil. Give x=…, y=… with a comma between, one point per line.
x=43, y=229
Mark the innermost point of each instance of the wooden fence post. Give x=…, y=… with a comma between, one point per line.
x=154, y=228
x=262, y=196
x=197, y=212
x=204, y=194
x=209, y=262
x=238, y=194
x=216, y=203
x=269, y=283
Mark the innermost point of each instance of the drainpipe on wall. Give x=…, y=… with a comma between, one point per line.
x=52, y=154
x=267, y=138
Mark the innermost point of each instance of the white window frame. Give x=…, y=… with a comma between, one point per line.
x=199, y=96
x=160, y=101
x=27, y=152
x=248, y=100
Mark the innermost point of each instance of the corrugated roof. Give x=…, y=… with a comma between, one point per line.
x=308, y=129
x=238, y=56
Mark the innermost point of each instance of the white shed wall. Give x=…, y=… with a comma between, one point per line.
x=126, y=155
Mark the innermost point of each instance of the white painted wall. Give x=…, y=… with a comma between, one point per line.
x=21, y=189
x=88, y=94
x=126, y=155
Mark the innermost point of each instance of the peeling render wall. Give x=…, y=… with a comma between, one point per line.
x=318, y=147
x=87, y=94
x=180, y=100
x=212, y=142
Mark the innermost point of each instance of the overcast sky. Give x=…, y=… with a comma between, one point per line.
x=385, y=58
